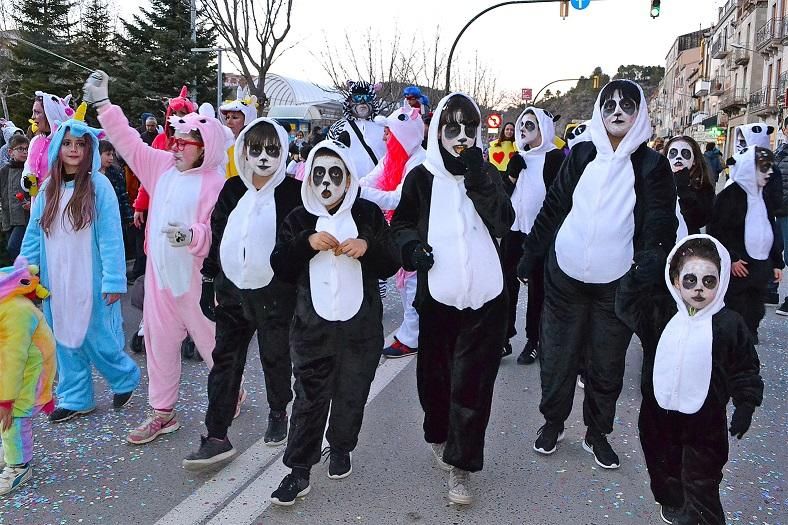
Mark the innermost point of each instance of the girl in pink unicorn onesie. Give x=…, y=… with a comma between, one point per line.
x=184, y=184
x=403, y=133
x=47, y=111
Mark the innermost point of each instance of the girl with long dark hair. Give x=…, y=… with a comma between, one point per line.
x=693, y=185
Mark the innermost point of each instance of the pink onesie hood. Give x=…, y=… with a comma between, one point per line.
x=215, y=136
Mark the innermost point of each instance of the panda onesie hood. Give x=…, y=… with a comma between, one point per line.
x=692, y=366
x=457, y=215
x=249, y=299
x=337, y=330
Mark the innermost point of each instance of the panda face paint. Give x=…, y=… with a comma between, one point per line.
x=529, y=131
x=619, y=114
x=741, y=142
x=680, y=156
x=457, y=137
x=329, y=180
x=264, y=160
x=764, y=166
x=697, y=282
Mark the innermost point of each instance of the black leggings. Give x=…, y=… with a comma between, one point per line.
x=512, y=247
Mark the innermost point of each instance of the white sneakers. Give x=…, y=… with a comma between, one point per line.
x=459, y=487
x=11, y=478
x=437, y=452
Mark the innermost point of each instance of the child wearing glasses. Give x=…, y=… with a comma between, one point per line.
x=241, y=293
x=14, y=212
x=183, y=184
x=697, y=355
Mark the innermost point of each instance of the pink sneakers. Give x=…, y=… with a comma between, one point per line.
x=160, y=422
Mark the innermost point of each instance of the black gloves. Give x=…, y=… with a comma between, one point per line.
x=208, y=300
x=422, y=257
x=474, y=164
x=525, y=267
x=649, y=268
x=515, y=166
x=682, y=178
x=741, y=421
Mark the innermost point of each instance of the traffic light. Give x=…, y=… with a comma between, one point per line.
x=564, y=8
x=655, y=8
x=595, y=82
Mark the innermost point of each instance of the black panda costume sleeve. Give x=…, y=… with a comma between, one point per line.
x=491, y=202
x=381, y=255
x=657, y=215
x=409, y=223
x=744, y=381
x=727, y=220
x=696, y=204
x=292, y=251
x=231, y=192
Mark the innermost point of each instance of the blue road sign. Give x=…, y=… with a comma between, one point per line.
x=580, y=4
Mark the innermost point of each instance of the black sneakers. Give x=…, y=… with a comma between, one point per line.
x=211, y=451
x=339, y=463
x=507, y=350
x=596, y=443
x=121, y=400
x=290, y=488
x=783, y=309
x=276, y=433
x=548, y=436
x=61, y=415
x=669, y=514
x=529, y=354
x=771, y=299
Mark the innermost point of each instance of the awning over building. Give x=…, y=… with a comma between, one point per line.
x=291, y=99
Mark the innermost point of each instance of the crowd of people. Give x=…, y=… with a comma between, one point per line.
x=239, y=226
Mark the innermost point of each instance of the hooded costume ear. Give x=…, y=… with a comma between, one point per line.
x=730, y=162
x=556, y=118
x=184, y=92
x=769, y=130
x=206, y=109
x=344, y=139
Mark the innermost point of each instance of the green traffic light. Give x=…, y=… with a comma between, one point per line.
x=655, y=8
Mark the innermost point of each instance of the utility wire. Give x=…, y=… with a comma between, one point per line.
x=36, y=46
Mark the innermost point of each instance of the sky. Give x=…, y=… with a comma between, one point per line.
x=524, y=46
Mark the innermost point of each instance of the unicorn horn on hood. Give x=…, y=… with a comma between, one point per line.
x=184, y=92
x=81, y=110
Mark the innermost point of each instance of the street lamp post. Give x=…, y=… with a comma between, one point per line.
x=219, y=83
x=472, y=20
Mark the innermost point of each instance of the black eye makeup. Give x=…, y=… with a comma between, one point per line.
x=318, y=173
x=452, y=131
x=336, y=174
x=529, y=126
x=690, y=281
x=272, y=150
x=684, y=152
x=627, y=105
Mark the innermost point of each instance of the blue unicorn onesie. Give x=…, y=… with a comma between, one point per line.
x=78, y=267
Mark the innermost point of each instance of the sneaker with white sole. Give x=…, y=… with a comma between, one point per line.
x=61, y=415
x=211, y=452
x=668, y=514
x=596, y=443
x=783, y=309
x=276, y=431
x=548, y=436
x=437, y=453
x=459, y=486
x=159, y=423
x=340, y=464
x=13, y=476
x=290, y=488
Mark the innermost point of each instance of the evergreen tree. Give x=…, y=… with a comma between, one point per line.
x=44, y=23
x=156, y=58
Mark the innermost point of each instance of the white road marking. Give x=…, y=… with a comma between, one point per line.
x=253, y=500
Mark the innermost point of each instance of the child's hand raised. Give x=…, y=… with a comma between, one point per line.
x=354, y=248
x=739, y=269
x=323, y=241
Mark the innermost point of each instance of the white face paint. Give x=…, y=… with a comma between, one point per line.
x=456, y=138
x=763, y=170
x=680, y=155
x=529, y=131
x=619, y=114
x=741, y=142
x=697, y=282
x=264, y=160
x=328, y=180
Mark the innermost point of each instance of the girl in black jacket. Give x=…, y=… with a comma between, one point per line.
x=697, y=354
x=693, y=185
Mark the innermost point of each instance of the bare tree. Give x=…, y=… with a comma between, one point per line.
x=255, y=30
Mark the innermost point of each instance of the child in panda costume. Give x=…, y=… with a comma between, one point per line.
x=403, y=134
x=240, y=291
x=694, y=188
x=334, y=249
x=741, y=222
x=529, y=174
x=452, y=210
x=613, y=202
x=697, y=355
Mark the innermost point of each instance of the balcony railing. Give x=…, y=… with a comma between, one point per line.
x=719, y=49
x=740, y=57
x=769, y=34
x=733, y=99
x=729, y=6
x=763, y=101
x=717, y=87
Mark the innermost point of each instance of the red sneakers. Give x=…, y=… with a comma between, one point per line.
x=397, y=349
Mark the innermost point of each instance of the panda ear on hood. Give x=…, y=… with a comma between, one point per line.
x=769, y=130
x=730, y=162
x=556, y=118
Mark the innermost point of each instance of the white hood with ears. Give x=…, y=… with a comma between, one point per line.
x=682, y=365
x=594, y=244
x=335, y=281
x=530, y=191
x=467, y=271
x=250, y=234
x=758, y=234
